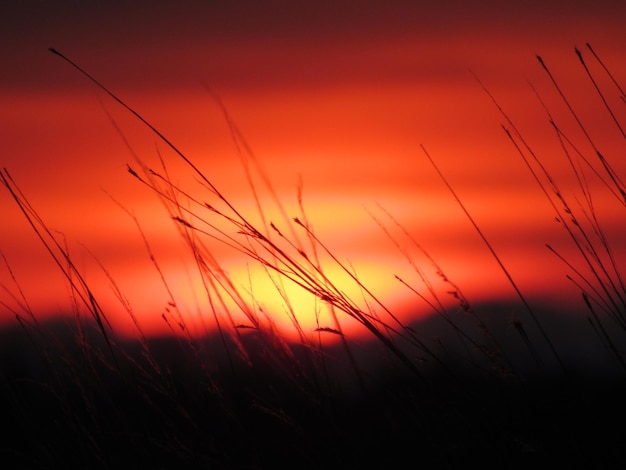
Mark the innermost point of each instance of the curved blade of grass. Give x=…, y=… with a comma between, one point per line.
x=497, y=258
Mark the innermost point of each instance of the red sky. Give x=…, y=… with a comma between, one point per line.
x=337, y=95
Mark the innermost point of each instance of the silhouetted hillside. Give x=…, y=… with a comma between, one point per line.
x=75, y=402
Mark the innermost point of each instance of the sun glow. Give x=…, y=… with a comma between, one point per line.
x=286, y=279
x=342, y=157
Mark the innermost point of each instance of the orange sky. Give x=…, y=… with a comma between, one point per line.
x=336, y=96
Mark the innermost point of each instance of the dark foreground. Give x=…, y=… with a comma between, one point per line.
x=72, y=403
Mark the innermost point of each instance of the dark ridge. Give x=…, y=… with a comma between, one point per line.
x=175, y=403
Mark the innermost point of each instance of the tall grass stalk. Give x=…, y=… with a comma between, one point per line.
x=604, y=284
x=247, y=397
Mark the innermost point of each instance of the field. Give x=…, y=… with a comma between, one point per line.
x=467, y=385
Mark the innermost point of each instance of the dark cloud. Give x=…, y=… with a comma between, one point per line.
x=292, y=40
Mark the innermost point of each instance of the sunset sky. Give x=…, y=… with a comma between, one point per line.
x=333, y=97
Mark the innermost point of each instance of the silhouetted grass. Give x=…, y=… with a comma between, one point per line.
x=465, y=386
